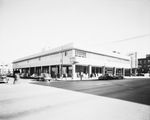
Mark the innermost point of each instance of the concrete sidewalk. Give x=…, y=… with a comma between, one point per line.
x=24, y=101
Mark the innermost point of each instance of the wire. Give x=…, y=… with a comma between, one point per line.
x=128, y=39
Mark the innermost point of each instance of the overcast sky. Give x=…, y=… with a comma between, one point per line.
x=26, y=26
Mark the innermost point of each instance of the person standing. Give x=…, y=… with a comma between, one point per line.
x=81, y=75
x=16, y=76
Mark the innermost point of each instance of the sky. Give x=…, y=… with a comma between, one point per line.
x=27, y=26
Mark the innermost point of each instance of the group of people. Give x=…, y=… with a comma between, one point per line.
x=86, y=75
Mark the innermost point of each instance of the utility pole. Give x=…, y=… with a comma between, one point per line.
x=62, y=64
x=3, y=68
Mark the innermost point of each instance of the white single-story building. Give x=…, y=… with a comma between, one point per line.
x=71, y=60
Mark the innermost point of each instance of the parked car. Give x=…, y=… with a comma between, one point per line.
x=105, y=77
x=40, y=77
x=33, y=76
x=24, y=75
x=118, y=77
x=102, y=77
x=44, y=77
x=4, y=79
x=140, y=74
x=110, y=77
x=47, y=77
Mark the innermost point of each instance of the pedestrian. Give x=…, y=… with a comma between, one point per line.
x=16, y=77
x=66, y=75
x=81, y=75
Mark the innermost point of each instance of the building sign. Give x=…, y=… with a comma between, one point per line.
x=73, y=60
x=79, y=53
x=134, y=60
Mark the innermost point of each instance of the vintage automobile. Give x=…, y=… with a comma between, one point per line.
x=110, y=77
x=4, y=79
x=44, y=77
x=140, y=74
x=118, y=77
x=105, y=77
x=47, y=77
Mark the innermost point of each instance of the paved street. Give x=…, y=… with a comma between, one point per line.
x=27, y=100
x=131, y=89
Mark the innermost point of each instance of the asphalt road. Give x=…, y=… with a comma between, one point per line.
x=129, y=89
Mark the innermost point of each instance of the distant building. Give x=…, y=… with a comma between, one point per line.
x=6, y=68
x=144, y=64
x=72, y=60
x=133, y=63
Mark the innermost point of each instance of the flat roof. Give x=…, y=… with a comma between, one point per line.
x=69, y=47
